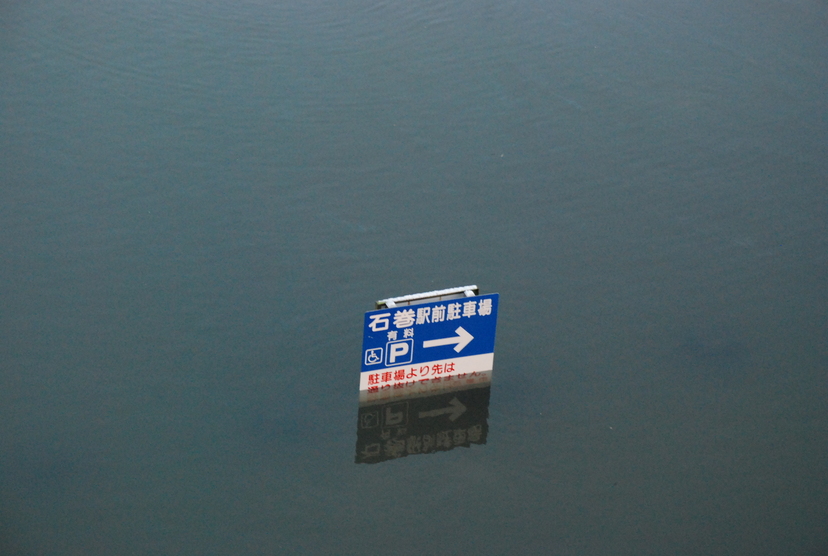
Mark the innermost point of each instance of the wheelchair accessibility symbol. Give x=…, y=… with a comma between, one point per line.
x=373, y=356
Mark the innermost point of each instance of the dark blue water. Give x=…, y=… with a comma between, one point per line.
x=200, y=200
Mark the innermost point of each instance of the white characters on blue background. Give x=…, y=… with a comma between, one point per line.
x=399, y=353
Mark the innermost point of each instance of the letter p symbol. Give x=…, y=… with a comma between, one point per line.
x=398, y=353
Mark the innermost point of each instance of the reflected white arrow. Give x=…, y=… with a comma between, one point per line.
x=454, y=410
x=462, y=340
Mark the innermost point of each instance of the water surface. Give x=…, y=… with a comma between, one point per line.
x=200, y=199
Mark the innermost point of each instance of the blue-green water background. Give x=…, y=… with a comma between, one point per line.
x=199, y=199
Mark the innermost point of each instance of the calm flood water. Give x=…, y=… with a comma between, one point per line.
x=200, y=200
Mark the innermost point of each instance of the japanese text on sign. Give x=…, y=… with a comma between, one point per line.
x=404, y=318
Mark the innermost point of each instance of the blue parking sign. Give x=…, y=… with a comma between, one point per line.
x=423, y=342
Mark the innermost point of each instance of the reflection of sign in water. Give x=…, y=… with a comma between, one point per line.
x=435, y=419
x=428, y=342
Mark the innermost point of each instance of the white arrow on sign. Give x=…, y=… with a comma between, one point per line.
x=456, y=409
x=462, y=340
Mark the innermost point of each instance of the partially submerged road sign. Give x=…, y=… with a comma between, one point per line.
x=428, y=342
